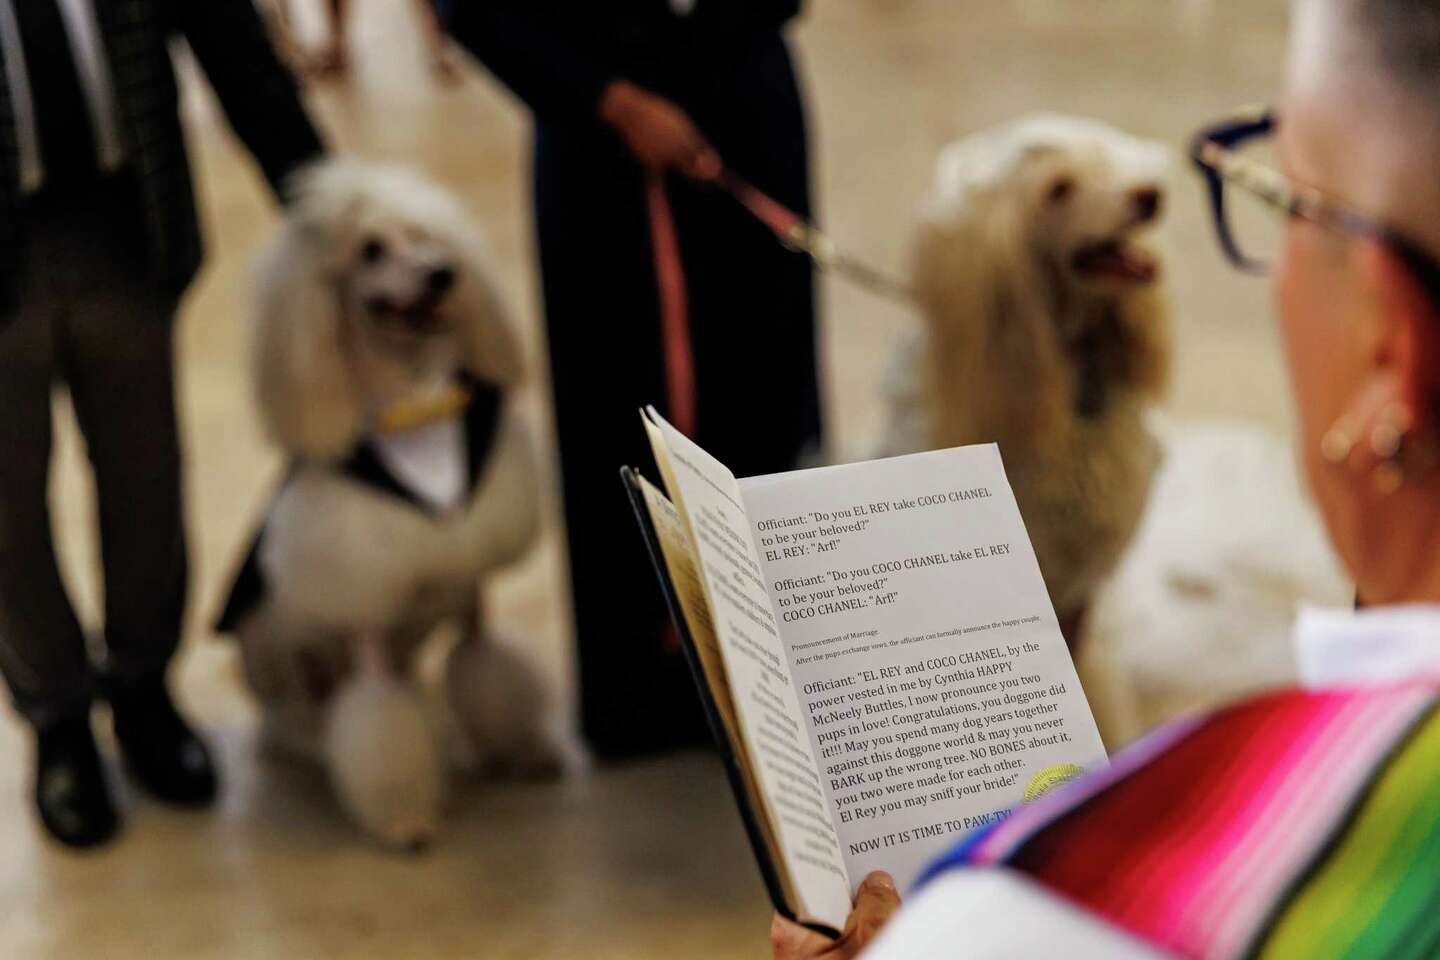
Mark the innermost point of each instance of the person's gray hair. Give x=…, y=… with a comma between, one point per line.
x=1404, y=37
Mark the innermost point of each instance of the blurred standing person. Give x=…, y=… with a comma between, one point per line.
x=621, y=91
x=98, y=240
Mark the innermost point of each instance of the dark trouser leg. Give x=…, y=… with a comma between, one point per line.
x=752, y=302
x=117, y=355
x=42, y=648
x=605, y=362
x=752, y=327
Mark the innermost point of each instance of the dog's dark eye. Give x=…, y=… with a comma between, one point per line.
x=373, y=250
x=1061, y=189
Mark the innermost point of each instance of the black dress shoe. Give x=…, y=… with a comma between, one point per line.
x=161, y=752
x=70, y=789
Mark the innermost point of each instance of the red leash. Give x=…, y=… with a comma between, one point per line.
x=674, y=309
x=792, y=230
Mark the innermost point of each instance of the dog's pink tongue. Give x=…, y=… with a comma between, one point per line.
x=1137, y=266
x=1126, y=264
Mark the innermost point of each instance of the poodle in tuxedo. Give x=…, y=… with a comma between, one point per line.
x=383, y=365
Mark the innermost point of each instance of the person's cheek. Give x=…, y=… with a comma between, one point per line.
x=1301, y=300
x=1295, y=302
x=1314, y=300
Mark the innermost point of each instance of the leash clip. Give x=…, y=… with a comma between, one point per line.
x=803, y=237
x=799, y=235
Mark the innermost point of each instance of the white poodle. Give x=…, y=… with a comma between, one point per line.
x=1202, y=606
x=383, y=361
x=1046, y=331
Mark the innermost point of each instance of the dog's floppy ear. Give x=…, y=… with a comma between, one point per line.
x=492, y=350
x=973, y=269
x=983, y=295
x=303, y=380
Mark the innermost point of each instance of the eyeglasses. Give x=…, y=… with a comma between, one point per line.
x=1226, y=154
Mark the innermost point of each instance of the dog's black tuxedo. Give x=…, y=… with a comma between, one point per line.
x=365, y=465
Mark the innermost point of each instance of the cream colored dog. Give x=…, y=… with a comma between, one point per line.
x=1045, y=331
x=382, y=363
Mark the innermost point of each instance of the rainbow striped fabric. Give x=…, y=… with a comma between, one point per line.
x=1298, y=824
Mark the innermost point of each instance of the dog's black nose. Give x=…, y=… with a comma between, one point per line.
x=1147, y=202
x=441, y=279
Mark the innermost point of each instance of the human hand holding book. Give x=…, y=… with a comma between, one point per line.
x=881, y=663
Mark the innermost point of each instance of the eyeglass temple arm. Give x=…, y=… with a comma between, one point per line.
x=1228, y=136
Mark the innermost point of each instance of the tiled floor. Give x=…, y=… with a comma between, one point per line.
x=648, y=860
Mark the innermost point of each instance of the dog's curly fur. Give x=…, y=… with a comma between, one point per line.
x=357, y=579
x=1022, y=346
x=307, y=337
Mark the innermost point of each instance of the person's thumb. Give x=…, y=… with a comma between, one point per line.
x=875, y=901
x=791, y=941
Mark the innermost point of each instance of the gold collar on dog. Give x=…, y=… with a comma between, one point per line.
x=432, y=408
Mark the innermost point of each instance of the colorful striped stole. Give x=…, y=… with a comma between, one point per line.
x=1298, y=824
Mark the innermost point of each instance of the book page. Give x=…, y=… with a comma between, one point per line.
x=767, y=707
x=936, y=685
x=690, y=591
x=679, y=560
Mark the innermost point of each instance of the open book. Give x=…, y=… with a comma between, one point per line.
x=877, y=653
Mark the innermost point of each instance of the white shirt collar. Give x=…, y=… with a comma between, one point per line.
x=1343, y=647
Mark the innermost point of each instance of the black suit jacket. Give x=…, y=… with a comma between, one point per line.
x=559, y=55
x=256, y=91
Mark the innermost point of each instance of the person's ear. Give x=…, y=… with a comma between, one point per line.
x=1406, y=334
x=1388, y=432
